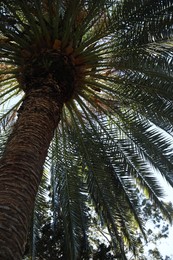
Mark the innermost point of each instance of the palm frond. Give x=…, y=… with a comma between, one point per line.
x=138, y=23
x=149, y=142
x=71, y=197
x=100, y=171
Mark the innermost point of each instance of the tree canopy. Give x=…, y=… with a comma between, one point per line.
x=110, y=64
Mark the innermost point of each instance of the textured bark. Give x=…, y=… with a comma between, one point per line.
x=21, y=166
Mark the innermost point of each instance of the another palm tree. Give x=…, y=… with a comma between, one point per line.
x=96, y=77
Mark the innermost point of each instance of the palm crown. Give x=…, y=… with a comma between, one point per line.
x=110, y=65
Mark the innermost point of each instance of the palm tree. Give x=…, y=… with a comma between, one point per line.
x=94, y=87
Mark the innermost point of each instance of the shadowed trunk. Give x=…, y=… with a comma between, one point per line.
x=22, y=164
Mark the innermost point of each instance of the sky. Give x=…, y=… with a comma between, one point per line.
x=165, y=245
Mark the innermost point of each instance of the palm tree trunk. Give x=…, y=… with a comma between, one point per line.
x=22, y=164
